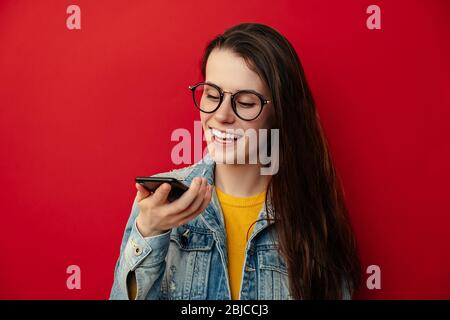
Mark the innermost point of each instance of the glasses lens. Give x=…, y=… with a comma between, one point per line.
x=248, y=105
x=206, y=97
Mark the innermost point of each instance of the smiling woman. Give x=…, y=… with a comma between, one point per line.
x=237, y=233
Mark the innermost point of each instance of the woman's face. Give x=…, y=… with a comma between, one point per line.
x=231, y=73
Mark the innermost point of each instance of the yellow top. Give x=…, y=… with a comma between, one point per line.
x=239, y=215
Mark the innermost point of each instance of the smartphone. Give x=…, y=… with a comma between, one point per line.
x=152, y=183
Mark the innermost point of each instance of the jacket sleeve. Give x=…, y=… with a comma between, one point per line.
x=143, y=255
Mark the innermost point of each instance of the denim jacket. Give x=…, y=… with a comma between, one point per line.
x=190, y=262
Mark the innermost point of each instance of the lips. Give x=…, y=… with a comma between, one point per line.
x=224, y=137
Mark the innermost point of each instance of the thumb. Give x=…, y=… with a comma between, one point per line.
x=142, y=192
x=160, y=195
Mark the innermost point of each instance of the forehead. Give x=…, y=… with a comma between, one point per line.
x=230, y=72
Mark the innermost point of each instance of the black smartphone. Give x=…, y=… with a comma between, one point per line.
x=152, y=183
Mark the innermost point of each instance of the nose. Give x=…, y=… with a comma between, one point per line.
x=225, y=113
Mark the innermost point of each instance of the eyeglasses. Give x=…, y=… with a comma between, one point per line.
x=246, y=104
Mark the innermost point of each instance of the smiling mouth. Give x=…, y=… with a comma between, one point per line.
x=224, y=137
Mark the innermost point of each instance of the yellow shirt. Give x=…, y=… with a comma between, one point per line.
x=239, y=215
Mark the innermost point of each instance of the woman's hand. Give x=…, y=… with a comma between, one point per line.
x=157, y=215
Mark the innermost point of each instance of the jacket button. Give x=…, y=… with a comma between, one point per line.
x=137, y=251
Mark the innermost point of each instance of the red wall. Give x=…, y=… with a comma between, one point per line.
x=82, y=112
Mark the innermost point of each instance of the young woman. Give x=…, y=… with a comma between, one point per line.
x=238, y=233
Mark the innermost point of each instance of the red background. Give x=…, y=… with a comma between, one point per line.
x=82, y=112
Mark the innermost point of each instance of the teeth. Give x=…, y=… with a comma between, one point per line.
x=224, y=135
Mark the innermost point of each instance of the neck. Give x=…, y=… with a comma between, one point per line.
x=240, y=180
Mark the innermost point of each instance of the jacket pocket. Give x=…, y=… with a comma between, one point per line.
x=188, y=264
x=273, y=283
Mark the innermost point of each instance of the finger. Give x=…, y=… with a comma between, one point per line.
x=196, y=201
x=195, y=205
x=187, y=198
x=204, y=205
x=142, y=193
x=161, y=194
x=206, y=200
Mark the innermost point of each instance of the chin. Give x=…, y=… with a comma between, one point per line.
x=225, y=156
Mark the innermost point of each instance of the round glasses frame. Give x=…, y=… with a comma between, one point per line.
x=233, y=102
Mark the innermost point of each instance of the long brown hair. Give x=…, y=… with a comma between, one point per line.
x=313, y=229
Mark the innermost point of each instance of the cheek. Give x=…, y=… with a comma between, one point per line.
x=204, y=117
x=264, y=121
